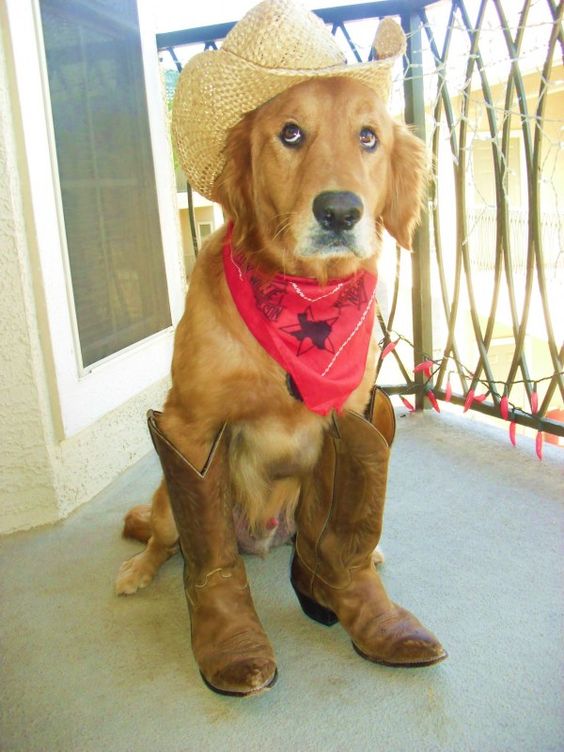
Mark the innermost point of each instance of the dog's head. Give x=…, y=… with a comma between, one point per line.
x=312, y=175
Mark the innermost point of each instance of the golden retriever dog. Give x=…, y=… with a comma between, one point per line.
x=329, y=138
x=274, y=358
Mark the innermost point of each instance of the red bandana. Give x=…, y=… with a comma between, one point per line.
x=319, y=334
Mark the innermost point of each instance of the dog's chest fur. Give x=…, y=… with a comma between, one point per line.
x=276, y=447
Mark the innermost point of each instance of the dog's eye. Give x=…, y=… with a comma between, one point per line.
x=291, y=134
x=368, y=139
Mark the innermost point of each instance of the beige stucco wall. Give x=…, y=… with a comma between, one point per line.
x=44, y=478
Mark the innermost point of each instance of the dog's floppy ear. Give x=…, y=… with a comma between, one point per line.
x=408, y=177
x=233, y=187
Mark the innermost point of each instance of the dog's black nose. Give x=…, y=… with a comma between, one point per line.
x=337, y=210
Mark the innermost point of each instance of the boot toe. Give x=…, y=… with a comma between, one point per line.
x=244, y=677
x=403, y=642
x=408, y=654
x=420, y=649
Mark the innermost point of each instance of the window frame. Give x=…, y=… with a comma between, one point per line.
x=81, y=396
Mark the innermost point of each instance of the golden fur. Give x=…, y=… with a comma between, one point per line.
x=219, y=372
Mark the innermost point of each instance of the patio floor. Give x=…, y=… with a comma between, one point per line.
x=472, y=544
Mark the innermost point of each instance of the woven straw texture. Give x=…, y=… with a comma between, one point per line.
x=276, y=45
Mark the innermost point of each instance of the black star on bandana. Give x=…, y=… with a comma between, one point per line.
x=353, y=295
x=317, y=332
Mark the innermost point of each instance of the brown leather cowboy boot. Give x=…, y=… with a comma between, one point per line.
x=339, y=522
x=228, y=641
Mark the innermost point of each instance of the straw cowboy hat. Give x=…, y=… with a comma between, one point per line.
x=274, y=46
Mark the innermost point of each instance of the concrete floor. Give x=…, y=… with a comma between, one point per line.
x=473, y=548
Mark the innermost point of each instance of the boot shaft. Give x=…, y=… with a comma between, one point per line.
x=200, y=504
x=340, y=513
x=228, y=641
x=380, y=413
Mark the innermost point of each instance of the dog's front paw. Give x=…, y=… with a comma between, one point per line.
x=134, y=574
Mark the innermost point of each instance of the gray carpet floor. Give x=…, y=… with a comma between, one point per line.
x=473, y=547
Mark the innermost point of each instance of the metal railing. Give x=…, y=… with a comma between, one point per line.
x=483, y=84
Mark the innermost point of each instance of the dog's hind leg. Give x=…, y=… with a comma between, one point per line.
x=159, y=530
x=137, y=523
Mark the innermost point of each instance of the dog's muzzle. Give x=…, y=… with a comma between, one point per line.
x=336, y=231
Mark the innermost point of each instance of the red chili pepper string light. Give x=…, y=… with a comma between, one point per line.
x=469, y=399
x=389, y=348
x=506, y=409
x=424, y=367
x=433, y=400
x=538, y=444
x=407, y=403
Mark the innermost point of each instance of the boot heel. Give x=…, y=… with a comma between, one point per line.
x=315, y=611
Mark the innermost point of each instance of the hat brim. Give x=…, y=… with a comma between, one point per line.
x=217, y=88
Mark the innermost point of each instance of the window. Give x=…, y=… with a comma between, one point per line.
x=106, y=173
x=102, y=225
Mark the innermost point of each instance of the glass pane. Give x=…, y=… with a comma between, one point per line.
x=106, y=172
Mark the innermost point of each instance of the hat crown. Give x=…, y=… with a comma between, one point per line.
x=282, y=35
